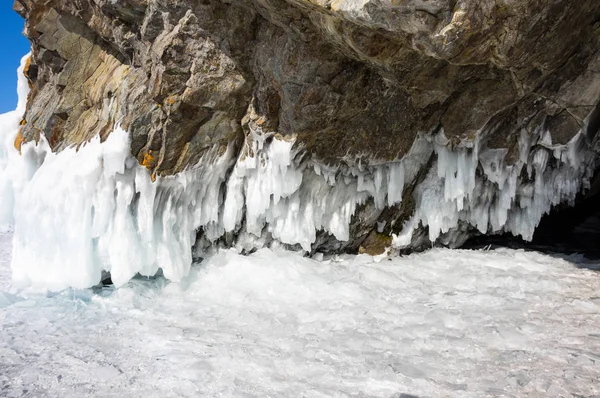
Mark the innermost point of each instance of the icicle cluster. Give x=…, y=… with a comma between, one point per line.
x=270, y=190
x=79, y=212
x=498, y=199
x=94, y=209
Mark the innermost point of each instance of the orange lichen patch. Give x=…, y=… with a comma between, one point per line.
x=26, y=71
x=286, y=138
x=18, y=142
x=23, y=122
x=27, y=66
x=149, y=161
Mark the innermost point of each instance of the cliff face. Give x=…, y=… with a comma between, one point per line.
x=498, y=88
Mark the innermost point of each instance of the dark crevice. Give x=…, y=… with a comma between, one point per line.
x=593, y=123
x=565, y=230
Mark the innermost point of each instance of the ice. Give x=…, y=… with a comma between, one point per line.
x=292, y=200
x=15, y=170
x=274, y=323
x=395, y=183
x=497, y=199
x=453, y=197
x=118, y=220
x=93, y=209
x=83, y=211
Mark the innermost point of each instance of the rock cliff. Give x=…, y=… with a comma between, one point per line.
x=422, y=120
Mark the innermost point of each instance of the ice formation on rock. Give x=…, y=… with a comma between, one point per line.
x=94, y=209
x=14, y=170
x=294, y=201
x=81, y=211
x=496, y=198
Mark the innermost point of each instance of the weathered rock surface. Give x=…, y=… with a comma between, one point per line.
x=354, y=83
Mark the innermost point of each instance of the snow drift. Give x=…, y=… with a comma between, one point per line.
x=81, y=211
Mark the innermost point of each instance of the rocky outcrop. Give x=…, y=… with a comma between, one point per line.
x=357, y=86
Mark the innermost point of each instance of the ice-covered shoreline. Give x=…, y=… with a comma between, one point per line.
x=441, y=323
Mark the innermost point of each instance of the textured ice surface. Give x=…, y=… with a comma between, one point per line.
x=441, y=324
x=79, y=212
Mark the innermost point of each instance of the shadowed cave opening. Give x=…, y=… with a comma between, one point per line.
x=565, y=230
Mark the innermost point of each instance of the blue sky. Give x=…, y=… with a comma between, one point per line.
x=13, y=45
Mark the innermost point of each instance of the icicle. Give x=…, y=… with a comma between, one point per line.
x=395, y=183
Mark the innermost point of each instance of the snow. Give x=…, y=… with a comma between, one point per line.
x=442, y=323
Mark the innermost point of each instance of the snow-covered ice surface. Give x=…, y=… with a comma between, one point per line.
x=442, y=324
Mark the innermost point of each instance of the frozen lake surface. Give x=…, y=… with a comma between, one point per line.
x=274, y=324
